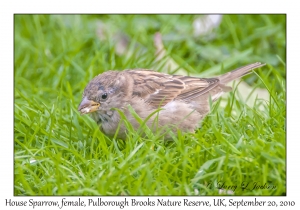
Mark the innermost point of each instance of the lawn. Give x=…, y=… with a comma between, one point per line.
x=239, y=149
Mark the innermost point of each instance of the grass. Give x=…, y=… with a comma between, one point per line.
x=59, y=152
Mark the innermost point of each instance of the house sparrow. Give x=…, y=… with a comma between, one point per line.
x=183, y=100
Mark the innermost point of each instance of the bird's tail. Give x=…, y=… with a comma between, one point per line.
x=239, y=72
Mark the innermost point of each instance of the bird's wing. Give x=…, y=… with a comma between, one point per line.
x=158, y=89
x=196, y=87
x=155, y=88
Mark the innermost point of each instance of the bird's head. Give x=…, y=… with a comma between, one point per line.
x=101, y=94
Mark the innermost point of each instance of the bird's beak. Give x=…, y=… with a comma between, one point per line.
x=87, y=106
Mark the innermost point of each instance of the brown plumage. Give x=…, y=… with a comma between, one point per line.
x=183, y=100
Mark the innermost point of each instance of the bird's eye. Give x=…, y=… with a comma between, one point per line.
x=104, y=96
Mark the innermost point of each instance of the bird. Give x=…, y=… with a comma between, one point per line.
x=166, y=103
